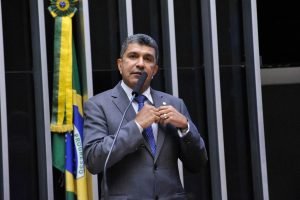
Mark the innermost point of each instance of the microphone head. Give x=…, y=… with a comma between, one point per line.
x=137, y=89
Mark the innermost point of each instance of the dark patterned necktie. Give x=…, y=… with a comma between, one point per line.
x=148, y=131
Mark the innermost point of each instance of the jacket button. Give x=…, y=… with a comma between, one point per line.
x=155, y=168
x=156, y=197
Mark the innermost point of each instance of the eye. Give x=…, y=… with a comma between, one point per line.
x=132, y=55
x=149, y=59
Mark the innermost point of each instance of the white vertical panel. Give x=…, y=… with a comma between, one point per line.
x=256, y=122
x=261, y=136
x=129, y=17
x=218, y=102
x=86, y=63
x=42, y=89
x=3, y=118
x=213, y=99
x=173, y=61
x=173, y=56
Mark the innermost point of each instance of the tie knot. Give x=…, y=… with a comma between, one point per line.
x=140, y=99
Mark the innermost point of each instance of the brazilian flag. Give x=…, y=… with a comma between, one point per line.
x=67, y=109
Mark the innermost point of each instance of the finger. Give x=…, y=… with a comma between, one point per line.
x=163, y=122
x=162, y=112
x=158, y=119
x=163, y=116
x=161, y=108
x=166, y=121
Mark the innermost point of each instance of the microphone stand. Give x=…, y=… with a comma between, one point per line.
x=106, y=196
x=135, y=92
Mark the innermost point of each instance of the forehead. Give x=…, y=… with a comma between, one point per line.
x=140, y=49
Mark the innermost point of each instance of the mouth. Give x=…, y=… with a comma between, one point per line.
x=138, y=73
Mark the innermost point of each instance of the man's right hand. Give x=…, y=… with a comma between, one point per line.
x=147, y=116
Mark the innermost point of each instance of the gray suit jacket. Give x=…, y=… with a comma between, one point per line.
x=133, y=172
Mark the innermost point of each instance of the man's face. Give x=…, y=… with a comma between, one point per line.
x=136, y=59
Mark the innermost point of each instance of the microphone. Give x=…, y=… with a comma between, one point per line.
x=135, y=92
x=137, y=89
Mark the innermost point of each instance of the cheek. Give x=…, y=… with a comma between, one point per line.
x=123, y=70
x=149, y=79
x=152, y=72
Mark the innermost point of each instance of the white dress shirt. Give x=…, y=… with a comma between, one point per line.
x=147, y=94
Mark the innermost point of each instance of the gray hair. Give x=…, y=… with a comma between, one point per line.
x=141, y=39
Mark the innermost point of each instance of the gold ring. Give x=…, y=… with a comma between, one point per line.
x=165, y=116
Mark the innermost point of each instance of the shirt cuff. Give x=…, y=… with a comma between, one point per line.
x=139, y=126
x=183, y=132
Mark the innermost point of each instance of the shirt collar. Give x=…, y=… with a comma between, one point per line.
x=128, y=92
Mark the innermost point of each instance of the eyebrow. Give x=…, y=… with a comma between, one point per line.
x=135, y=52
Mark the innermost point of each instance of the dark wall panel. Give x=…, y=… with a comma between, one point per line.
x=23, y=170
x=281, y=104
x=236, y=133
x=279, y=30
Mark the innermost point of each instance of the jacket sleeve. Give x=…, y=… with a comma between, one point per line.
x=193, y=152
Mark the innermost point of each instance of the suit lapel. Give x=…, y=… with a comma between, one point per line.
x=121, y=101
x=158, y=100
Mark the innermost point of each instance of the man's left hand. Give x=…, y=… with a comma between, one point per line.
x=169, y=115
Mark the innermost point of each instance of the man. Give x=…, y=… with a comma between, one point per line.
x=154, y=134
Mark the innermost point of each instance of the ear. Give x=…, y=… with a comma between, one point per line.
x=154, y=70
x=119, y=63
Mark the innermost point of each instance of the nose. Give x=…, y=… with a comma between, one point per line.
x=140, y=62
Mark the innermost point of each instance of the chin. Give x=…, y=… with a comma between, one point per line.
x=131, y=84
